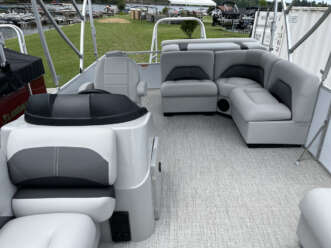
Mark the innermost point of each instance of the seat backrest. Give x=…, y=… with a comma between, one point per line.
x=62, y=157
x=252, y=64
x=118, y=74
x=295, y=88
x=7, y=191
x=183, y=65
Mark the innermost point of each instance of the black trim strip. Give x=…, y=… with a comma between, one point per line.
x=37, y=193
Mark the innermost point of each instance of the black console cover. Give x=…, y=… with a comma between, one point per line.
x=81, y=110
x=20, y=70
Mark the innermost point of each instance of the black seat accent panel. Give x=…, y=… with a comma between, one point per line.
x=58, y=167
x=187, y=73
x=242, y=45
x=252, y=72
x=183, y=46
x=81, y=110
x=282, y=92
x=38, y=193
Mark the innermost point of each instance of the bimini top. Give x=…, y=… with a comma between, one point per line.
x=193, y=2
x=81, y=110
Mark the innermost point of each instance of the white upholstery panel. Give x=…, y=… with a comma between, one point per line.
x=99, y=209
x=50, y=231
x=315, y=208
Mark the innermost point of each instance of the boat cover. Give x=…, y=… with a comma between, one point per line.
x=21, y=70
x=81, y=110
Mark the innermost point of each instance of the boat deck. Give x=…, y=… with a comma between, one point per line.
x=217, y=192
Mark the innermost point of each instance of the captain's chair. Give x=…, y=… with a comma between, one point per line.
x=118, y=74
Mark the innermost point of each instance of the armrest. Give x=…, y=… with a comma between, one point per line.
x=86, y=86
x=142, y=88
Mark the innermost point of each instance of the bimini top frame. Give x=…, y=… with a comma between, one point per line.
x=154, y=47
x=286, y=10
x=79, y=52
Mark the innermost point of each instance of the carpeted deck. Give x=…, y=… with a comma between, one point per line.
x=219, y=193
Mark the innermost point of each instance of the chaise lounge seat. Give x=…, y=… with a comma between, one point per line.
x=258, y=105
x=314, y=228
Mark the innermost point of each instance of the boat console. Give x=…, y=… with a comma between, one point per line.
x=86, y=160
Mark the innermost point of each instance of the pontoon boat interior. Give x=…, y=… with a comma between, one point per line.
x=205, y=160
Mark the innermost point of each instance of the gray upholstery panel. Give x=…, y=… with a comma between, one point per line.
x=304, y=88
x=226, y=85
x=188, y=88
x=50, y=166
x=257, y=104
x=225, y=59
x=306, y=236
x=202, y=59
x=213, y=46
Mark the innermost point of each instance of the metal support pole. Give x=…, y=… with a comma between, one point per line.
x=44, y=43
x=93, y=32
x=287, y=29
x=312, y=30
x=58, y=29
x=3, y=60
x=256, y=21
x=77, y=9
x=326, y=70
x=273, y=26
x=265, y=26
x=82, y=36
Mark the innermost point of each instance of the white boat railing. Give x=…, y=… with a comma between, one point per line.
x=154, y=46
x=20, y=36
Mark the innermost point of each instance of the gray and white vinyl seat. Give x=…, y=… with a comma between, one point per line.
x=240, y=69
x=118, y=74
x=60, y=188
x=314, y=228
x=187, y=82
x=279, y=113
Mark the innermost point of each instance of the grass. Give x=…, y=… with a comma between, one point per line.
x=110, y=36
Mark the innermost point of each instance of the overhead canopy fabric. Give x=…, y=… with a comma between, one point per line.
x=193, y=2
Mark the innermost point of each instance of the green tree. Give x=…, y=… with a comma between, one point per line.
x=120, y=5
x=188, y=27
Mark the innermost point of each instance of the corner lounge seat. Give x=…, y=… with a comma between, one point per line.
x=281, y=113
x=187, y=82
x=50, y=231
x=118, y=74
x=314, y=228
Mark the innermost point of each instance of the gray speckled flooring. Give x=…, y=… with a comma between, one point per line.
x=219, y=193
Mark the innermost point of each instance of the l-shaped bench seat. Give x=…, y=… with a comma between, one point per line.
x=270, y=99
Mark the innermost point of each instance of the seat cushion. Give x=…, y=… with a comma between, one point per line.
x=188, y=88
x=257, y=104
x=226, y=85
x=97, y=203
x=50, y=231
